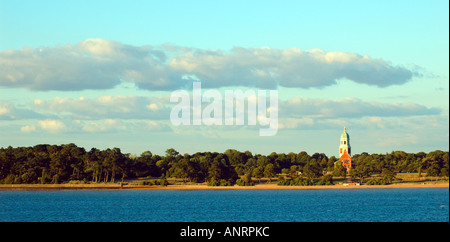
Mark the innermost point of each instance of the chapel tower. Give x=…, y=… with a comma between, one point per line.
x=345, y=151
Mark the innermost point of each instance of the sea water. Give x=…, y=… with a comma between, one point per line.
x=321, y=205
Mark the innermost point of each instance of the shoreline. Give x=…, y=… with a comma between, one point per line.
x=53, y=187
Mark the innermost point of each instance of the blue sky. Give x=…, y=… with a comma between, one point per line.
x=87, y=72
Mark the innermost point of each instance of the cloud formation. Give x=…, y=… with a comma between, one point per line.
x=95, y=126
x=107, y=107
x=103, y=64
x=159, y=108
x=9, y=111
x=300, y=107
x=52, y=126
x=131, y=113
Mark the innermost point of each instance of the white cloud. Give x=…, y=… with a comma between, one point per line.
x=52, y=126
x=115, y=125
x=107, y=107
x=295, y=123
x=103, y=64
x=154, y=106
x=350, y=108
x=106, y=125
x=10, y=111
x=38, y=101
x=107, y=113
x=268, y=67
x=28, y=128
x=4, y=110
x=378, y=121
x=156, y=126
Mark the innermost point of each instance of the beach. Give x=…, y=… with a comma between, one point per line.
x=12, y=187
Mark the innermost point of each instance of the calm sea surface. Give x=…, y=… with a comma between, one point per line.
x=331, y=205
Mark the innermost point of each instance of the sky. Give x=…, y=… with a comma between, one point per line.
x=101, y=73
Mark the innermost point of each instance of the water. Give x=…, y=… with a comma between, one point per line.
x=330, y=205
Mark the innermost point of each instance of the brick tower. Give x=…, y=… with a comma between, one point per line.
x=345, y=151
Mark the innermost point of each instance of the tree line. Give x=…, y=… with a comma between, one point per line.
x=55, y=164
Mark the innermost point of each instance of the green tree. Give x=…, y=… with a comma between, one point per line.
x=294, y=171
x=331, y=162
x=258, y=173
x=326, y=180
x=245, y=181
x=171, y=153
x=269, y=172
x=222, y=170
x=339, y=170
x=388, y=175
x=312, y=169
x=360, y=172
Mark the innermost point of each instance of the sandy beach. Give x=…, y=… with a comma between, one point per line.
x=12, y=187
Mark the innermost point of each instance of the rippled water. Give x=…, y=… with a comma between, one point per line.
x=331, y=205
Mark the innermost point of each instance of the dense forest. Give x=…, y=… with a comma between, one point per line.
x=55, y=164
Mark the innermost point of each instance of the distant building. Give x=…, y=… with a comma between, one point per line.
x=345, y=151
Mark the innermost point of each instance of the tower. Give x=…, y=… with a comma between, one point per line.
x=345, y=143
x=345, y=150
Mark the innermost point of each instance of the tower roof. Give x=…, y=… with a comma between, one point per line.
x=345, y=135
